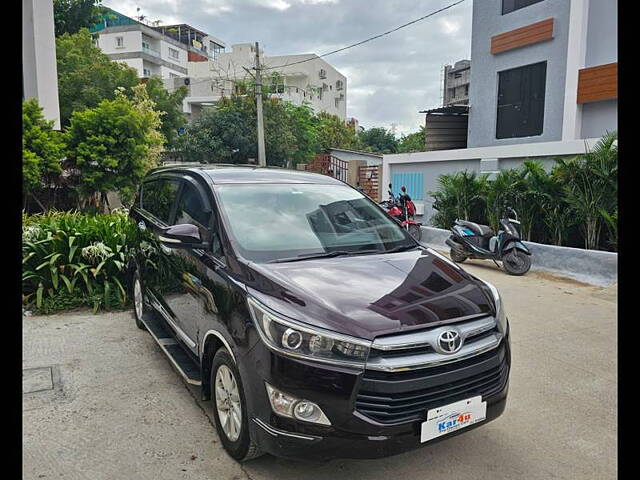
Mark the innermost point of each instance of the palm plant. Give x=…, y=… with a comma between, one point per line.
x=590, y=185
x=461, y=195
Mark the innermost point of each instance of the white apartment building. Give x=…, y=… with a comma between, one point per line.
x=303, y=78
x=162, y=51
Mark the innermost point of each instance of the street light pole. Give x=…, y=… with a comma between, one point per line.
x=262, y=160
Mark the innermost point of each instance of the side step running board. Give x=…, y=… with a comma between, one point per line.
x=172, y=349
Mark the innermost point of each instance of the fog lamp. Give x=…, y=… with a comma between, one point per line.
x=289, y=406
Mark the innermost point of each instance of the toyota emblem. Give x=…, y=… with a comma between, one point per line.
x=450, y=341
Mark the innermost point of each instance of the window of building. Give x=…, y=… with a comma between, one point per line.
x=466, y=90
x=159, y=196
x=146, y=72
x=521, y=101
x=173, y=53
x=509, y=6
x=119, y=42
x=339, y=85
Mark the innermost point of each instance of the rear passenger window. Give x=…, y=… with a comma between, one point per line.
x=159, y=196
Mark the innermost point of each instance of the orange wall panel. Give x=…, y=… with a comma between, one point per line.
x=520, y=37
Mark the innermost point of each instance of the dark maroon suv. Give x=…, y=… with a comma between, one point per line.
x=314, y=323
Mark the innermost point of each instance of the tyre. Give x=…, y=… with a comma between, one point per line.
x=416, y=232
x=139, y=302
x=516, y=262
x=456, y=256
x=230, y=408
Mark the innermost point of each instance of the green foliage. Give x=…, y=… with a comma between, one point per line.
x=332, y=132
x=378, y=140
x=86, y=76
x=227, y=132
x=69, y=16
x=42, y=148
x=591, y=186
x=414, y=142
x=113, y=145
x=580, y=191
x=170, y=103
x=74, y=259
x=461, y=195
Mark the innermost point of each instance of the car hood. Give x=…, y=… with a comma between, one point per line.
x=369, y=295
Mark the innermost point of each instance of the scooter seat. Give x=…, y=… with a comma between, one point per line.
x=482, y=230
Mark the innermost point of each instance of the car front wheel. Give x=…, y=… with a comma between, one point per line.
x=229, y=408
x=139, y=303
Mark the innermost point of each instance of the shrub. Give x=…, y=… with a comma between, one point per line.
x=567, y=206
x=71, y=259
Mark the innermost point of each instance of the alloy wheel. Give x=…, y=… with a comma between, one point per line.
x=228, y=403
x=138, y=302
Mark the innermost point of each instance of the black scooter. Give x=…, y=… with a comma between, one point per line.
x=471, y=240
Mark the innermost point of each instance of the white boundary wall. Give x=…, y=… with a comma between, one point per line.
x=481, y=160
x=595, y=267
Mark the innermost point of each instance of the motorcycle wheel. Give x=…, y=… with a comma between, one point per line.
x=416, y=232
x=457, y=257
x=516, y=262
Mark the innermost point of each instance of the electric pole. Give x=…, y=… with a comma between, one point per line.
x=262, y=160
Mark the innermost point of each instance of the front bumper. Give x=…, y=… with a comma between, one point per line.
x=352, y=433
x=339, y=444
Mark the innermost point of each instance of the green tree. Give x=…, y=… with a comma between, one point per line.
x=334, y=133
x=86, y=76
x=304, y=127
x=414, y=142
x=69, y=16
x=113, y=145
x=378, y=140
x=42, y=149
x=170, y=103
x=227, y=132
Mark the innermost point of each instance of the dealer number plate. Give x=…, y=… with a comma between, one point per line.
x=452, y=417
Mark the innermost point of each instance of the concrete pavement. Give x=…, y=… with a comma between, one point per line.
x=104, y=402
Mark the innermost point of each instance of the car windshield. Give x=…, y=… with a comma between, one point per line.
x=286, y=222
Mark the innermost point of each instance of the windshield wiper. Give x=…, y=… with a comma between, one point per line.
x=308, y=256
x=337, y=253
x=400, y=248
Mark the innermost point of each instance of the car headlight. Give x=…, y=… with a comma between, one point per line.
x=297, y=340
x=501, y=316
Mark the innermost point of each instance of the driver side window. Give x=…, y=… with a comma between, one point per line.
x=191, y=210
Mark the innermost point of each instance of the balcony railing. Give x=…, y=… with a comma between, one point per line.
x=150, y=51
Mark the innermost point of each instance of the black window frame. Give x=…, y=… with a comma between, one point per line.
x=509, y=6
x=508, y=123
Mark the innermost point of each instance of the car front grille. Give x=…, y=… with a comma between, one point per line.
x=396, y=397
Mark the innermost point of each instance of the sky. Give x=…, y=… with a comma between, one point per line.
x=389, y=80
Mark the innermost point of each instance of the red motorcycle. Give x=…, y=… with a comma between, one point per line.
x=403, y=210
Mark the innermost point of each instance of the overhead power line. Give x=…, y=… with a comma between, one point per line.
x=424, y=17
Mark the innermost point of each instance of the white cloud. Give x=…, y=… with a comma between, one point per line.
x=388, y=80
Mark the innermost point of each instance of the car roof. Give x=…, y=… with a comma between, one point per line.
x=222, y=173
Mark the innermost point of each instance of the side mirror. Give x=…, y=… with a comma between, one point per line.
x=182, y=236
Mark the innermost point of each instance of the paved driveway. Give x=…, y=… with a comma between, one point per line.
x=104, y=403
